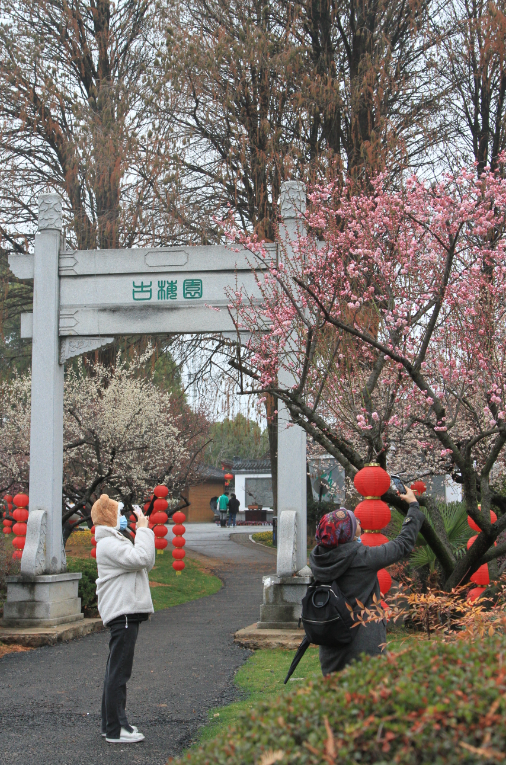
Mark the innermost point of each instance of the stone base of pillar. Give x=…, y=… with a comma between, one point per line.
x=42, y=601
x=281, y=607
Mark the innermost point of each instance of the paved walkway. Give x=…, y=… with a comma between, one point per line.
x=184, y=665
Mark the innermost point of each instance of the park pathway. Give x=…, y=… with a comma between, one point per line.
x=184, y=665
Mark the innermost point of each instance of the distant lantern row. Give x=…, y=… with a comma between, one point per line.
x=16, y=524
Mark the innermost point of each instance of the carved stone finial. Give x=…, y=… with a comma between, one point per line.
x=50, y=215
x=292, y=199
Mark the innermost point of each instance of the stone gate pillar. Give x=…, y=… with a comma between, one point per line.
x=44, y=595
x=283, y=593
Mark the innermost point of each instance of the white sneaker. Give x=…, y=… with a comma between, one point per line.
x=126, y=737
x=134, y=727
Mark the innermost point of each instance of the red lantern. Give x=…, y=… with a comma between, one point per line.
x=160, y=505
x=20, y=515
x=93, y=542
x=155, y=518
x=8, y=498
x=160, y=544
x=228, y=477
x=7, y=529
x=179, y=517
x=178, y=541
x=93, y=552
x=372, y=481
x=418, y=487
x=373, y=514
x=475, y=593
x=385, y=581
x=474, y=525
x=161, y=491
x=481, y=576
x=373, y=540
x=17, y=555
x=160, y=531
x=147, y=506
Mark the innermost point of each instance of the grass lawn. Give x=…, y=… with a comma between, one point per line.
x=168, y=589
x=261, y=678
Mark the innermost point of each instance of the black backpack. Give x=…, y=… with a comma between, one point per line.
x=327, y=616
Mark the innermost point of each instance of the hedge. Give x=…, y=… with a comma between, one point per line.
x=87, y=584
x=443, y=704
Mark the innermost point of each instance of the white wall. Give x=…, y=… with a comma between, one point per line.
x=240, y=489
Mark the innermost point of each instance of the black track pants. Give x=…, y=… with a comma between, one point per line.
x=117, y=674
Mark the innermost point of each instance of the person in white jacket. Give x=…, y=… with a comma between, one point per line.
x=124, y=601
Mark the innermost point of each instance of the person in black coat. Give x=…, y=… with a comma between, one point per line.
x=233, y=509
x=339, y=555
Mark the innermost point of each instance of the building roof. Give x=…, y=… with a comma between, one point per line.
x=240, y=465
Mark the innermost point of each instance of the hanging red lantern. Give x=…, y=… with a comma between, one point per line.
x=385, y=581
x=20, y=515
x=372, y=481
x=178, y=553
x=418, y=487
x=93, y=552
x=373, y=539
x=155, y=518
x=373, y=514
x=178, y=541
x=474, y=525
x=475, y=593
x=7, y=524
x=228, y=477
x=481, y=576
x=179, y=517
x=159, y=518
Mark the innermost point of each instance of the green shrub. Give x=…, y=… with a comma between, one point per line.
x=263, y=538
x=443, y=704
x=87, y=583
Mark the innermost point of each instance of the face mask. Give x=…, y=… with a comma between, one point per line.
x=359, y=540
x=123, y=523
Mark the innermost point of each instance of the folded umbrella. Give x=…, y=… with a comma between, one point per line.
x=301, y=650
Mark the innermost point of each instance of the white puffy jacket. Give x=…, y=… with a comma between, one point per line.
x=123, y=584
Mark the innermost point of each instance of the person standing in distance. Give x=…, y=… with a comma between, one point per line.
x=233, y=509
x=223, y=508
x=124, y=601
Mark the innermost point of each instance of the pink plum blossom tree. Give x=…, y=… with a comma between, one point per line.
x=391, y=316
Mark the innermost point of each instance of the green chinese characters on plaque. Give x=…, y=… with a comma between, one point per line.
x=167, y=290
x=192, y=289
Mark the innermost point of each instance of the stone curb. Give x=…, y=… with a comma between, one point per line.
x=253, y=638
x=34, y=637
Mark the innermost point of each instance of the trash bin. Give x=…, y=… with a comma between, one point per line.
x=275, y=531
